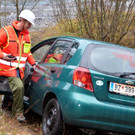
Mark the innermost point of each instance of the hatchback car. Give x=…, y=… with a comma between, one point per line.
x=84, y=83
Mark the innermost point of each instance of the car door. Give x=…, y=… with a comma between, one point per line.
x=45, y=77
x=38, y=52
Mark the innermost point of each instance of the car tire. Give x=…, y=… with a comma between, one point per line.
x=52, y=123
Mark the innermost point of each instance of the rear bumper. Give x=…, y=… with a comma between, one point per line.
x=84, y=110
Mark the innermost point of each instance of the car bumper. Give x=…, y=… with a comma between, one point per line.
x=81, y=108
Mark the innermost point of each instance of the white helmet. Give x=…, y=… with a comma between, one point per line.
x=28, y=15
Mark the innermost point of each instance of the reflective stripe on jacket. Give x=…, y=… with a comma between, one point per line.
x=19, y=46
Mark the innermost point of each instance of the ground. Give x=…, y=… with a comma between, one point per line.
x=32, y=126
x=10, y=126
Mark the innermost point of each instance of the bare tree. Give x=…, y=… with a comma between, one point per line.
x=112, y=18
x=0, y=15
x=61, y=11
x=107, y=20
x=19, y=7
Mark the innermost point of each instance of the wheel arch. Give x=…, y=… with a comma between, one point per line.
x=48, y=96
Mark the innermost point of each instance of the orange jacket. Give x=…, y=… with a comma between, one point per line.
x=58, y=57
x=19, y=46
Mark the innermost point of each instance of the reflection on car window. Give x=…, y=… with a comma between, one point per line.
x=112, y=59
x=42, y=49
x=72, y=51
x=39, y=54
x=58, y=51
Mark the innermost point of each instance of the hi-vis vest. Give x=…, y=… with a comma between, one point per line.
x=18, y=47
x=55, y=59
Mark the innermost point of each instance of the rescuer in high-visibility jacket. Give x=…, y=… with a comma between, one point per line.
x=15, y=47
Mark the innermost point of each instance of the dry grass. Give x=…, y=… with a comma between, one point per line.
x=55, y=31
x=45, y=33
x=10, y=126
x=38, y=36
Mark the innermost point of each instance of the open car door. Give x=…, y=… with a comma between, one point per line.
x=4, y=85
x=38, y=52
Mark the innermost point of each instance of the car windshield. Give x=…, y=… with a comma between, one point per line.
x=111, y=59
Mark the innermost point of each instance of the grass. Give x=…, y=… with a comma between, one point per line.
x=10, y=126
x=38, y=36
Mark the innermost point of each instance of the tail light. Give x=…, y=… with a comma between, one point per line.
x=82, y=78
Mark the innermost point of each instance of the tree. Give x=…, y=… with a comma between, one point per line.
x=0, y=10
x=61, y=11
x=106, y=20
x=23, y=4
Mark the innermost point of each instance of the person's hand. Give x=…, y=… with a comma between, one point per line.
x=34, y=66
x=9, y=58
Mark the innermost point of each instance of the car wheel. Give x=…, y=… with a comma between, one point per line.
x=52, y=119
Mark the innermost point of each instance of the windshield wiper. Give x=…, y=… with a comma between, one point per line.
x=124, y=74
x=127, y=74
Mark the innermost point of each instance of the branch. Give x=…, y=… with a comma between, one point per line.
x=35, y=5
x=126, y=30
x=23, y=4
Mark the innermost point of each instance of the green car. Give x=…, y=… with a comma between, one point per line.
x=84, y=83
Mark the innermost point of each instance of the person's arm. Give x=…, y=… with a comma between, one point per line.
x=31, y=60
x=3, y=41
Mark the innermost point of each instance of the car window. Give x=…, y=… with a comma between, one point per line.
x=72, y=51
x=40, y=52
x=57, y=51
x=110, y=59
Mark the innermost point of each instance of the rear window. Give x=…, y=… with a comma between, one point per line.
x=109, y=59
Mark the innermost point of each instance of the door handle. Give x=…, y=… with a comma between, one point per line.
x=53, y=71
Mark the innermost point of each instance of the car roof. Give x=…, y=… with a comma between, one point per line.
x=90, y=41
x=85, y=41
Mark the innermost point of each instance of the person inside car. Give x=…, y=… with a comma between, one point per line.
x=56, y=57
